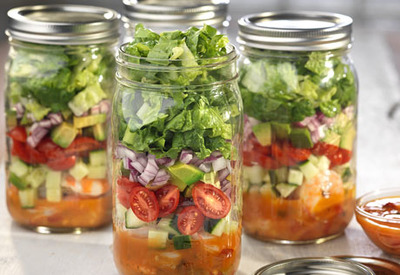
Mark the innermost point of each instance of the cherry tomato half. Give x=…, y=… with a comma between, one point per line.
x=26, y=153
x=190, y=220
x=144, y=204
x=61, y=164
x=296, y=154
x=168, y=199
x=51, y=150
x=82, y=146
x=211, y=201
x=18, y=133
x=335, y=154
x=281, y=154
x=257, y=158
x=124, y=190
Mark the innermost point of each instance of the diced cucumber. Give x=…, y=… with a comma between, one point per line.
x=309, y=170
x=99, y=132
x=295, y=177
x=18, y=167
x=64, y=134
x=97, y=172
x=37, y=177
x=168, y=224
x=313, y=159
x=98, y=158
x=79, y=171
x=182, y=242
x=285, y=189
x=273, y=177
x=157, y=239
x=53, y=186
x=219, y=228
x=21, y=184
x=282, y=174
x=53, y=195
x=132, y=221
x=120, y=212
x=323, y=163
x=27, y=197
x=86, y=121
x=266, y=189
x=255, y=174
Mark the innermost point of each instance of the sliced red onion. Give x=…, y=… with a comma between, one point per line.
x=55, y=118
x=95, y=110
x=126, y=163
x=123, y=152
x=138, y=166
x=219, y=164
x=228, y=165
x=214, y=155
x=160, y=179
x=37, y=135
x=142, y=158
x=45, y=123
x=321, y=131
x=150, y=171
x=186, y=156
x=163, y=161
x=20, y=109
x=133, y=176
x=169, y=164
x=227, y=189
x=205, y=167
x=315, y=136
x=223, y=174
x=196, y=161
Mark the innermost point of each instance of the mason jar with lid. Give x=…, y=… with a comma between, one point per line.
x=299, y=89
x=60, y=78
x=169, y=15
x=177, y=130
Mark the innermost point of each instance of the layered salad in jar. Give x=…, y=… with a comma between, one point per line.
x=176, y=165
x=299, y=145
x=57, y=114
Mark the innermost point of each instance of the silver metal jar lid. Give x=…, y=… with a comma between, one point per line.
x=63, y=24
x=315, y=266
x=177, y=12
x=295, y=31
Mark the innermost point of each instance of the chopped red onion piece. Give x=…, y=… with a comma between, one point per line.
x=218, y=164
x=55, y=118
x=205, y=167
x=161, y=178
x=186, y=156
x=165, y=161
x=315, y=136
x=138, y=166
x=37, y=135
x=228, y=165
x=133, y=176
x=223, y=174
x=142, y=159
x=46, y=123
x=20, y=109
x=123, y=152
x=214, y=155
x=126, y=163
x=150, y=171
x=227, y=189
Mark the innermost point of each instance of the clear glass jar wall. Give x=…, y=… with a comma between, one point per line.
x=176, y=166
x=162, y=15
x=299, y=143
x=58, y=105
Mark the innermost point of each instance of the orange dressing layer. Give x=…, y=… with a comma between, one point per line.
x=71, y=212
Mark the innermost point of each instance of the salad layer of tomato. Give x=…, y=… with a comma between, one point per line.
x=190, y=220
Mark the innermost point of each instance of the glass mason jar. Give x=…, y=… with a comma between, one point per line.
x=177, y=135
x=299, y=89
x=60, y=78
x=170, y=15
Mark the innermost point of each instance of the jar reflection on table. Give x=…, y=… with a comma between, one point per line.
x=183, y=126
x=300, y=104
x=59, y=83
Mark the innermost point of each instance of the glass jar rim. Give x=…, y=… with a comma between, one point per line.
x=229, y=57
x=374, y=195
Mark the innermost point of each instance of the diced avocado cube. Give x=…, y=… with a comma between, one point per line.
x=188, y=174
x=86, y=121
x=348, y=137
x=309, y=170
x=17, y=181
x=99, y=132
x=301, y=138
x=97, y=158
x=332, y=138
x=182, y=242
x=285, y=189
x=79, y=171
x=263, y=134
x=295, y=177
x=27, y=197
x=18, y=167
x=64, y=134
x=280, y=130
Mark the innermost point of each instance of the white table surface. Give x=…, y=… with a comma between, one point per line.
x=23, y=252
